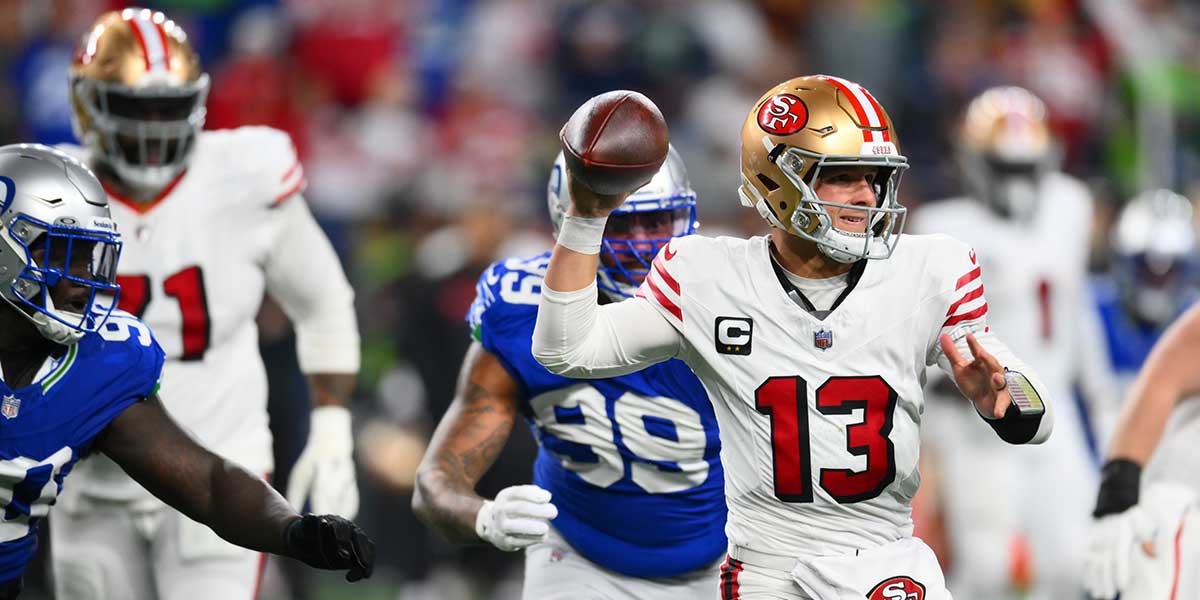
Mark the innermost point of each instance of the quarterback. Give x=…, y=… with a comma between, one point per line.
x=811, y=341
x=77, y=376
x=1030, y=225
x=213, y=220
x=627, y=498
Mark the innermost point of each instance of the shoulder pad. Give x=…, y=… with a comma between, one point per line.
x=513, y=282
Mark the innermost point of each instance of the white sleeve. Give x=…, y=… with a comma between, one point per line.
x=305, y=276
x=576, y=337
x=1012, y=429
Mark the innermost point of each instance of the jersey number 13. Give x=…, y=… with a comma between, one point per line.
x=784, y=399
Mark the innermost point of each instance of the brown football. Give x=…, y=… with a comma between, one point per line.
x=615, y=142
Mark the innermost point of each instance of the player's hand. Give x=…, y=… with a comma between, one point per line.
x=519, y=517
x=586, y=203
x=331, y=542
x=324, y=474
x=980, y=379
x=1112, y=544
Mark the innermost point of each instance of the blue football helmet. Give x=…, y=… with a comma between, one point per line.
x=663, y=209
x=55, y=229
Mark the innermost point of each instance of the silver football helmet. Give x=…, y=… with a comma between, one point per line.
x=1155, y=262
x=662, y=209
x=55, y=229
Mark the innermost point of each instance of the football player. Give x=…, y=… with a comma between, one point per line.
x=812, y=342
x=77, y=376
x=1030, y=226
x=627, y=498
x=213, y=219
x=1152, y=281
x=1146, y=543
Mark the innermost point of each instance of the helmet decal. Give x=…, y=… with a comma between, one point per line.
x=783, y=114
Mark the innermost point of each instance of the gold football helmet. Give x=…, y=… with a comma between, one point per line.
x=1005, y=146
x=810, y=123
x=137, y=96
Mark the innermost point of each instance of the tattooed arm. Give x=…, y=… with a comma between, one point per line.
x=466, y=443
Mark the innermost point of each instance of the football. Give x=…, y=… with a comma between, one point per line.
x=615, y=142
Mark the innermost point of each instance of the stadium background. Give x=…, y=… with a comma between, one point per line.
x=427, y=128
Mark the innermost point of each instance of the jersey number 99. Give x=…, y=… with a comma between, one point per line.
x=662, y=440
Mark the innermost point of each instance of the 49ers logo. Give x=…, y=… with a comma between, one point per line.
x=898, y=588
x=783, y=114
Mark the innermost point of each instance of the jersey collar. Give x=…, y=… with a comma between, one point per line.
x=142, y=208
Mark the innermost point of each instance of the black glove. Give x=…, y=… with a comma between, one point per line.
x=331, y=542
x=1120, y=482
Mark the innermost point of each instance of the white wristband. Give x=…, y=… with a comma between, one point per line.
x=582, y=234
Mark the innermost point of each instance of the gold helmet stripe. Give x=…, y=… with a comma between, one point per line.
x=865, y=106
x=151, y=37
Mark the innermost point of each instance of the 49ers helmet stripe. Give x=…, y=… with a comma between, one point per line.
x=865, y=106
x=151, y=38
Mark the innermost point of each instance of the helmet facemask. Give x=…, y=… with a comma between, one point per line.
x=146, y=133
x=811, y=219
x=634, y=235
x=637, y=230
x=66, y=252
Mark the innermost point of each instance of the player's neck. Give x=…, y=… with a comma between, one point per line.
x=22, y=348
x=802, y=257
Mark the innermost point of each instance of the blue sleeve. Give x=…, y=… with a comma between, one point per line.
x=505, y=311
x=128, y=371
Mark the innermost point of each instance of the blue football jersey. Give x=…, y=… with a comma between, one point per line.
x=45, y=427
x=632, y=461
x=1128, y=343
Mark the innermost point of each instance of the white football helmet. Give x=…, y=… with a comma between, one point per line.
x=53, y=206
x=1155, y=263
x=662, y=209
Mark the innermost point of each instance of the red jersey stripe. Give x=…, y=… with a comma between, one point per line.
x=663, y=300
x=971, y=295
x=292, y=191
x=968, y=278
x=1178, y=538
x=287, y=174
x=975, y=314
x=661, y=269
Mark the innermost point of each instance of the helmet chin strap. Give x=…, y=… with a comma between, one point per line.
x=51, y=329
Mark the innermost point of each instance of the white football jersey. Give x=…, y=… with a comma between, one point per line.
x=819, y=419
x=1036, y=272
x=195, y=265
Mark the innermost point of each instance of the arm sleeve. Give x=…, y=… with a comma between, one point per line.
x=1013, y=427
x=306, y=278
x=576, y=337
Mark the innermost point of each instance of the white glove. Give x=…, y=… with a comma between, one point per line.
x=1112, y=543
x=519, y=516
x=324, y=473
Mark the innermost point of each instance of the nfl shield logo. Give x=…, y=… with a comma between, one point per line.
x=823, y=339
x=10, y=407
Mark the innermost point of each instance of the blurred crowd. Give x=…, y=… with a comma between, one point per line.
x=427, y=128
